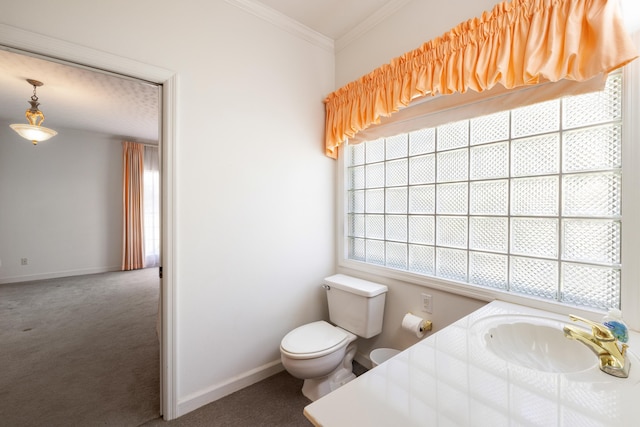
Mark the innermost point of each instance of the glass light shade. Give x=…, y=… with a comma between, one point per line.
x=33, y=133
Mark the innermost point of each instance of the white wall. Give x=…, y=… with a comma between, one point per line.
x=403, y=298
x=255, y=193
x=418, y=22
x=61, y=205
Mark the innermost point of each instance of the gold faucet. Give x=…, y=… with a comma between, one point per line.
x=613, y=358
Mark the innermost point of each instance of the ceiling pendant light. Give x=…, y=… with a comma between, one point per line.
x=33, y=131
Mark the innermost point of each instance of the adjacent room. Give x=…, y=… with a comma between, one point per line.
x=413, y=180
x=79, y=283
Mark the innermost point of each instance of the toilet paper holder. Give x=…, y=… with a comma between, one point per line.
x=426, y=326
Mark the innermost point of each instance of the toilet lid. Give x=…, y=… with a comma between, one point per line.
x=313, y=338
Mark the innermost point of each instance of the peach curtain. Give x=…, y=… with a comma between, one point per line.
x=132, y=202
x=522, y=42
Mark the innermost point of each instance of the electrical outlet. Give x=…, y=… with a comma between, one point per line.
x=427, y=303
x=24, y=261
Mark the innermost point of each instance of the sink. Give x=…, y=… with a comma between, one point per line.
x=535, y=343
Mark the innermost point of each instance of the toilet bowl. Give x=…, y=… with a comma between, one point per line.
x=321, y=354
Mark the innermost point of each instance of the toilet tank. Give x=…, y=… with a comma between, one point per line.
x=356, y=305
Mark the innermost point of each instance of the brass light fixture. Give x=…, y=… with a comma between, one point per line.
x=33, y=131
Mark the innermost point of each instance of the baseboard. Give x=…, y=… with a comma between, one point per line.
x=57, y=274
x=220, y=390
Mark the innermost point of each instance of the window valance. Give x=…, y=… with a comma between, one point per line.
x=522, y=42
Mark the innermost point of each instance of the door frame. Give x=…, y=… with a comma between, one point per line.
x=54, y=49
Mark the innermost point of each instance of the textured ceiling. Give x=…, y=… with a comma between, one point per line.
x=77, y=98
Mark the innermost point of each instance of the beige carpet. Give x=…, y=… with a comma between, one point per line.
x=80, y=351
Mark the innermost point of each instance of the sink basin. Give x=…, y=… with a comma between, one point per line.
x=535, y=343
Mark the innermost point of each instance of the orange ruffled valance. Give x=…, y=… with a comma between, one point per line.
x=518, y=43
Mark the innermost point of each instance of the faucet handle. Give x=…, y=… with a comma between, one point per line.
x=600, y=331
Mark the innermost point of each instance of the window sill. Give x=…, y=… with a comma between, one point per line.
x=469, y=291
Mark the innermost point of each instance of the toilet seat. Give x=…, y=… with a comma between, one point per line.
x=313, y=340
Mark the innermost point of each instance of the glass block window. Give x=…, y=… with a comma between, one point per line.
x=526, y=201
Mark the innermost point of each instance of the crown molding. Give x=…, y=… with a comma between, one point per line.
x=284, y=22
x=359, y=30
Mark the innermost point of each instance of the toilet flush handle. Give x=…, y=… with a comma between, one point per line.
x=326, y=287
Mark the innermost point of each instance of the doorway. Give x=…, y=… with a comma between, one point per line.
x=47, y=48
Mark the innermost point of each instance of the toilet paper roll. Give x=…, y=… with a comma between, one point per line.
x=416, y=325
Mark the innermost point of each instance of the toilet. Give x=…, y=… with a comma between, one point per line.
x=322, y=353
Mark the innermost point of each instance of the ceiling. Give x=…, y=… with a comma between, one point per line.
x=332, y=18
x=77, y=98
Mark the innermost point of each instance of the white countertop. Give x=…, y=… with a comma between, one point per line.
x=451, y=379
